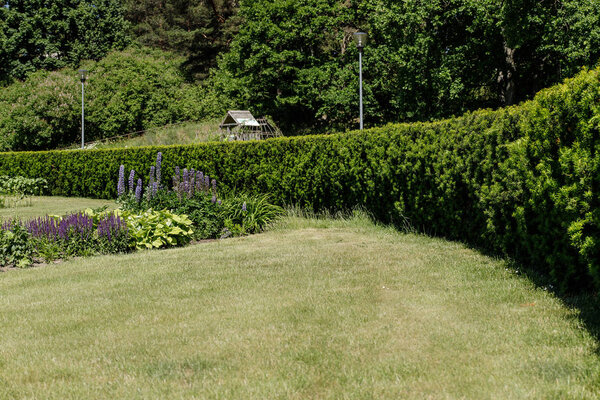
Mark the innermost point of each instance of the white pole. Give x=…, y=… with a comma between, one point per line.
x=82, y=116
x=360, y=87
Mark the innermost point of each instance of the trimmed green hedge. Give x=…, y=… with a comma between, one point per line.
x=521, y=181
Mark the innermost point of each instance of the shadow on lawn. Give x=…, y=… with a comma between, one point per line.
x=587, y=303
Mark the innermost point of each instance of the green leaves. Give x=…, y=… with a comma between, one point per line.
x=16, y=249
x=50, y=35
x=425, y=60
x=126, y=91
x=156, y=229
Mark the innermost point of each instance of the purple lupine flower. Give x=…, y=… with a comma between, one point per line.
x=206, y=182
x=158, y=166
x=244, y=206
x=150, y=191
x=176, y=178
x=185, y=181
x=199, y=180
x=191, y=184
x=214, y=185
x=121, y=182
x=138, y=191
x=214, y=199
x=131, y=180
x=154, y=188
x=219, y=202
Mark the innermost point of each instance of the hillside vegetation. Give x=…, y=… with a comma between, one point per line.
x=127, y=91
x=293, y=61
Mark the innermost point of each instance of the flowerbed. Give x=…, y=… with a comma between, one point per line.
x=154, y=216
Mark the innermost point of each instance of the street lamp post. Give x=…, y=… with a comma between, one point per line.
x=361, y=39
x=82, y=76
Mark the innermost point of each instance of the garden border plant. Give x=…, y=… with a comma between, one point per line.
x=150, y=217
x=522, y=181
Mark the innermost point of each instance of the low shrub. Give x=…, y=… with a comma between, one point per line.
x=15, y=189
x=16, y=247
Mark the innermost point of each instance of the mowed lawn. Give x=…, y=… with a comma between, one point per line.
x=310, y=309
x=41, y=205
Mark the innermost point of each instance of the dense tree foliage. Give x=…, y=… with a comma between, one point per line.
x=125, y=92
x=296, y=62
x=38, y=34
x=425, y=60
x=198, y=29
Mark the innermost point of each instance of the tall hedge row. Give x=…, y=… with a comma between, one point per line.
x=521, y=181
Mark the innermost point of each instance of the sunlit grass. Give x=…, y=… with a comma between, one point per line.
x=43, y=205
x=314, y=308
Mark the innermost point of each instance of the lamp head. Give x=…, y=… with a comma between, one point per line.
x=361, y=39
x=83, y=74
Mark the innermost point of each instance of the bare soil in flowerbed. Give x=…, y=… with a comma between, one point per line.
x=313, y=308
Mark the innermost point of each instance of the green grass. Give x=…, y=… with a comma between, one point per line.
x=314, y=308
x=186, y=133
x=42, y=205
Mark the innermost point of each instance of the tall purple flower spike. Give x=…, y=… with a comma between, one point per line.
x=158, y=167
x=138, y=191
x=131, y=181
x=121, y=182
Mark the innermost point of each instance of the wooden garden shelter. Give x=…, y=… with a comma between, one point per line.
x=241, y=125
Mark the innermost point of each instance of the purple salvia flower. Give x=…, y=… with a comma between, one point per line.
x=214, y=199
x=214, y=185
x=206, y=182
x=154, y=188
x=138, y=191
x=219, y=202
x=244, y=207
x=131, y=181
x=121, y=182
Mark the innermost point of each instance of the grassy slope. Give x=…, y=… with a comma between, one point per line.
x=38, y=206
x=312, y=309
x=187, y=133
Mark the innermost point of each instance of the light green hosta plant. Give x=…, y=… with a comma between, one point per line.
x=155, y=229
